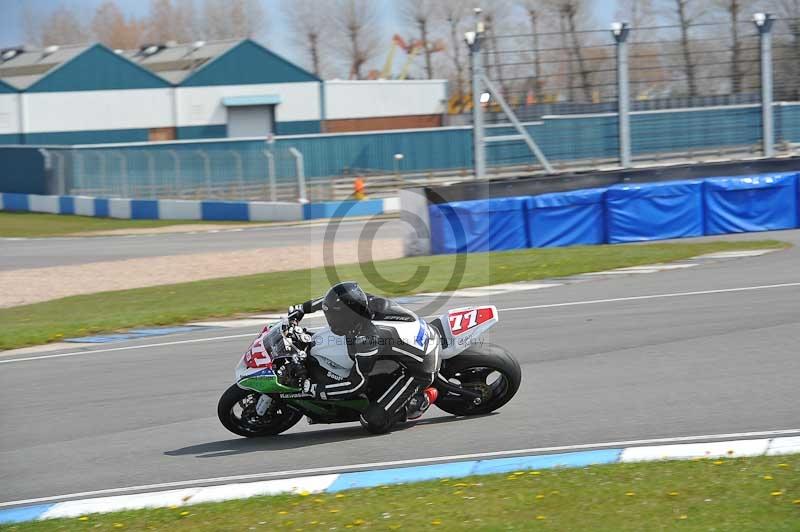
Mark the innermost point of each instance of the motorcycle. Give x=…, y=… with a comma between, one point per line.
x=474, y=377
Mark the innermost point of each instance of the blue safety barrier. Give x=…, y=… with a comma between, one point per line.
x=751, y=203
x=654, y=211
x=567, y=218
x=632, y=212
x=140, y=209
x=479, y=225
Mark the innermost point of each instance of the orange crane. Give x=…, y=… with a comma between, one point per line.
x=411, y=48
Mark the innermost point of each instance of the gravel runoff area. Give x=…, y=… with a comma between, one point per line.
x=21, y=287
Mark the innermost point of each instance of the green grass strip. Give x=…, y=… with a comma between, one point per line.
x=29, y=224
x=741, y=494
x=179, y=303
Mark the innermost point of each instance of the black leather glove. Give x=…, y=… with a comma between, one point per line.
x=313, y=390
x=296, y=313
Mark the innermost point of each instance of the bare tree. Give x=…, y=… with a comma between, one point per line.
x=358, y=21
x=308, y=21
x=161, y=21
x=569, y=11
x=684, y=19
x=787, y=83
x=112, y=28
x=233, y=19
x=453, y=14
x=495, y=15
x=533, y=8
x=61, y=26
x=734, y=10
x=419, y=13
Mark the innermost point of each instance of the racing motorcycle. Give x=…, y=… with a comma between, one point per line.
x=474, y=378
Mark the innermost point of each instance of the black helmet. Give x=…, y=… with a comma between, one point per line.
x=346, y=308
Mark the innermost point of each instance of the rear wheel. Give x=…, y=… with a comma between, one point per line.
x=237, y=412
x=487, y=369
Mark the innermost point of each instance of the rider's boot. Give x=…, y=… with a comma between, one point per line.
x=421, y=402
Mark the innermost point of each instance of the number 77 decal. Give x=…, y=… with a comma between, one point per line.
x=464, y=320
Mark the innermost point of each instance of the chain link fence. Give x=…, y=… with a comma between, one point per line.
x=546, y=102
x=634, y=96
x=268, y=174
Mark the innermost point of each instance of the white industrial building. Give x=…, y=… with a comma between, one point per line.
x=92, y=94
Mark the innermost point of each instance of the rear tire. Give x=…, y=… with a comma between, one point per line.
x=472, y=363
x=236, y=411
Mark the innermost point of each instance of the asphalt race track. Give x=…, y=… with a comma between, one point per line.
x=40, y=252
x=716, y=351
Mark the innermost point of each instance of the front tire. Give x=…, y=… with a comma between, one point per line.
x=487, y=368
x=237, y=412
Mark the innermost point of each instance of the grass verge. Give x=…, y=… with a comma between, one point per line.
x=761, y=493
x=179, y=303
x=29, y=224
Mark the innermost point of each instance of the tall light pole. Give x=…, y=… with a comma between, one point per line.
x=474, y=40
x=763, y=22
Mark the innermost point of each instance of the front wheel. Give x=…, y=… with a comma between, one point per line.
x=237, y=412
x=487, y=369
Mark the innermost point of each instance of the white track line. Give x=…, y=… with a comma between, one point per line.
x=127, y=348
x=396, y=463
x=652, y=296
x=512, y=309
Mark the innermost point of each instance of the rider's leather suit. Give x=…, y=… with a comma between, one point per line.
x=381, y=338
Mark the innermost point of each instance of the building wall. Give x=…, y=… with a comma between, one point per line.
x=9, y=116
x=366, y=99
x=382, y=123
x=202, y=106
x=82, y=111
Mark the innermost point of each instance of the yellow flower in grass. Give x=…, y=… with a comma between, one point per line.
x=119, y=525
x=767, y=477
x=684, y=516
x=436, y=522
x=334, y=510
x=718, y=462
x=340, y=495
x=777, y=493
x=796, y=501
x=673, y=493
x=283, y=512
x=359, y=522
x=540, y=496
x=518, y=473
x=630, y=493
x=304, y=494
x=540, y=518
x=535, y=473
x=783, y=465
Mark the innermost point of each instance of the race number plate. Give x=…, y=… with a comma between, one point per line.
x=463, y=320
x=257, y=356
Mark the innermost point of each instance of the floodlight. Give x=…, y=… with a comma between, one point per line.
x=485, y=97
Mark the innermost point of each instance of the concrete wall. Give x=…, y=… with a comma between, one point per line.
x=362, y=99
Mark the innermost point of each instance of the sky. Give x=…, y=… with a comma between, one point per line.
x=276, y=37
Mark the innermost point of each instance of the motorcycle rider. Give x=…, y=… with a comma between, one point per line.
x=351, y=313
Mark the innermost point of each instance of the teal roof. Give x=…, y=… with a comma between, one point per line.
x=97, y=68
x=247, y=63
x=6, y=88
x=242, y=101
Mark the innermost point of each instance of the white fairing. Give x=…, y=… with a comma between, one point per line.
x=464, y=326
x=330, y=350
